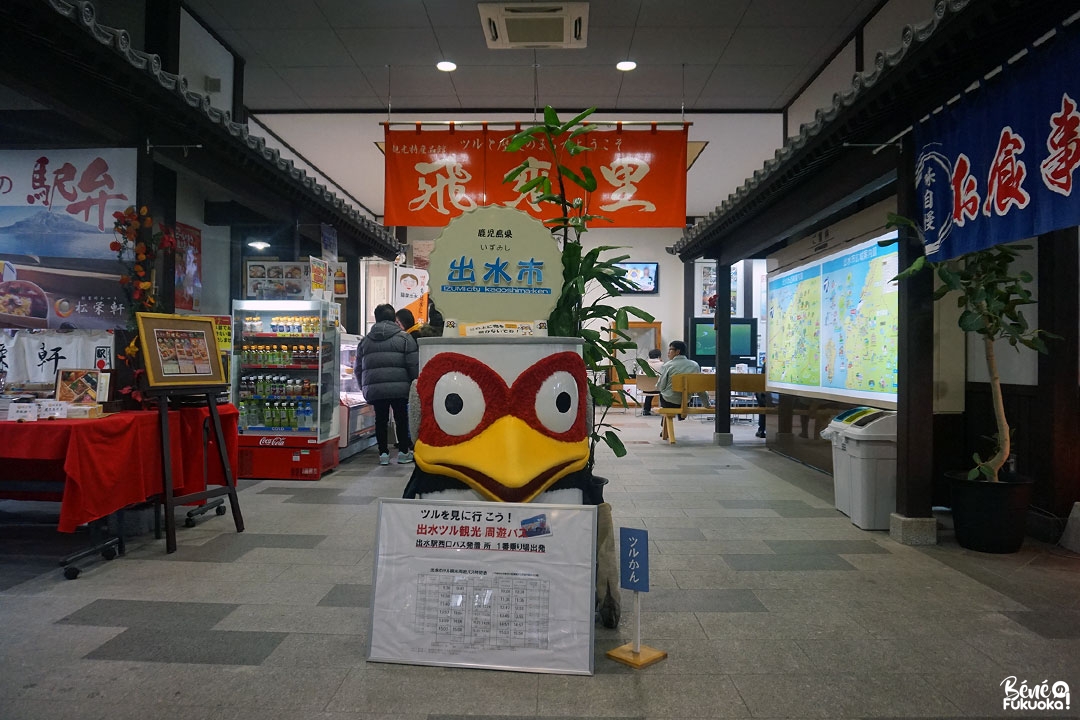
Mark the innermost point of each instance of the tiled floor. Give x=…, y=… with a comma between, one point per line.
x=769, y=603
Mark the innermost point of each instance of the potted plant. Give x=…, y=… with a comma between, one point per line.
x=581, y=304
x=576, y=309
x=989, y=503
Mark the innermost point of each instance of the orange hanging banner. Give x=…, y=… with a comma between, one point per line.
x=435, y=175
x=432, y=176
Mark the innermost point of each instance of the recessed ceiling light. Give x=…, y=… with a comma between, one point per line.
x=258, y=244
x=626, y=65
x=446, y=66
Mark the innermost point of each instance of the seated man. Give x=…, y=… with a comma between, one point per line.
x=677, y=364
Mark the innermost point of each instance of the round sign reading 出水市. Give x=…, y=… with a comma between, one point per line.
x=495, y=263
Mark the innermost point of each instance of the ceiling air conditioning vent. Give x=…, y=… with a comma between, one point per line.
x=536, y=25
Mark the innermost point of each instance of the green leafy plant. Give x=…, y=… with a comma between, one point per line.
x=990, y=294
x=580, y=303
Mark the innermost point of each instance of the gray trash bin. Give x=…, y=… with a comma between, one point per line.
x=871, y=449
x=841, y=458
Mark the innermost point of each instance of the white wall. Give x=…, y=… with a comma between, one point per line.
x=835, y=77
x=883, y=31
x=1018, y=366
x=201, y=56
x=216, y=298
x=647, y=245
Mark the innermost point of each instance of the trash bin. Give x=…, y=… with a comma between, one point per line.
x=871, y=448
x=840, y=457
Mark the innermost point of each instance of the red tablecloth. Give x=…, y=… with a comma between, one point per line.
x=111, y=462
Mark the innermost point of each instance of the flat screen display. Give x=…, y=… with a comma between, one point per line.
x=644, y=276
x=743, y=341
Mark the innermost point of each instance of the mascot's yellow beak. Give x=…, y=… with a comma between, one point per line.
x=507, y=462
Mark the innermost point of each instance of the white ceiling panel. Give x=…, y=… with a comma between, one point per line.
x=393, y=46
x=675, y=46
x=693, y=13
x=299, y=48
x=657, y=79
x=270, y=14
x=314, y=85
x=454, y=13
x=784, y=13
x=773, y=46
x=494, y=80
x=270, y=88
x=374, y=13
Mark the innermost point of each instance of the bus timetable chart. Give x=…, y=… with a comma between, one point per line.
x=486, y=611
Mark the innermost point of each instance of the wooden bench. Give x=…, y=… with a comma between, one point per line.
x=691, y=384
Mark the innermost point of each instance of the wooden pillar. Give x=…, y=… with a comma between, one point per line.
x=915, y=400
x=722, y=325
x=1057, y=465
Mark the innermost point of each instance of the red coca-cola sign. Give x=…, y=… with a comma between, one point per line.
x=278, y=441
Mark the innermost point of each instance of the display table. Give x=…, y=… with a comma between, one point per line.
x=108, y=463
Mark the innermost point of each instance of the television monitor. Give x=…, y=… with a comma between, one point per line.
x=644, y=276
x=743, y=341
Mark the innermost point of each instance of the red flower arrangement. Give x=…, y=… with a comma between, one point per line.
x=137, y=249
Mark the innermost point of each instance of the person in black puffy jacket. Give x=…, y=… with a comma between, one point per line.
x=387, y=362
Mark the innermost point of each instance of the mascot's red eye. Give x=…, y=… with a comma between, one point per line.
x=557, y=402
x=458, y=404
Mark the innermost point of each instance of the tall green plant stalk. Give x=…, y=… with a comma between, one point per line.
x=582, y=270
x=990, y=294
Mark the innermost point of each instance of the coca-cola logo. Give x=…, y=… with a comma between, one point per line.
x=278, y=441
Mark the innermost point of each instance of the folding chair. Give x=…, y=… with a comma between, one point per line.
x=646, y=387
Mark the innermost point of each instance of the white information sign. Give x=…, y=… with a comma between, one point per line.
x=495, y=263
x=504, y=586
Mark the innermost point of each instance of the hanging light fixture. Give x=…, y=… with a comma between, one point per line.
x=258, y=244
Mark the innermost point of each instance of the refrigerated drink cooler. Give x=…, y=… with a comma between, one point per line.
x=285, y=384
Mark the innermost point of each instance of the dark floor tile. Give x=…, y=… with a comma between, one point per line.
x=229, y=547
x=185, y=645
x=317, y=496
x=12, y=574
x=678, y=600
x=787, y=562
x=802, y=510
x=30, y=544
x=149, y=614
x=347, y=596
x=1051, y=624
x=825, y=547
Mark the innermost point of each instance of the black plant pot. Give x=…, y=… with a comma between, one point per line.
x=990, y=517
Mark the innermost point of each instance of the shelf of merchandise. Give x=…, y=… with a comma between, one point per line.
x=285, y=384
x=357, y=416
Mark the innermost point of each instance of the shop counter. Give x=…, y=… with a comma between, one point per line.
x=101, y=465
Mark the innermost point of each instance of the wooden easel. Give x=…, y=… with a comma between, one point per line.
x=187, y=396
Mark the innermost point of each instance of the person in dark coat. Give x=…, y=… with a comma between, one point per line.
x=387, y=362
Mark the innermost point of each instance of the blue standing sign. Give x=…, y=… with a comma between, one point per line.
x=634, y=559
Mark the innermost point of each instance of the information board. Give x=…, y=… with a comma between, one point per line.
x=504, y=586
x=833, y=326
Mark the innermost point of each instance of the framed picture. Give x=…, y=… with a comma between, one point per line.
x=82, y=386
x=179, y=350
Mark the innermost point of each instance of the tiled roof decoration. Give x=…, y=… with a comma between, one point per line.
x=885, y=61
x=84, y=14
